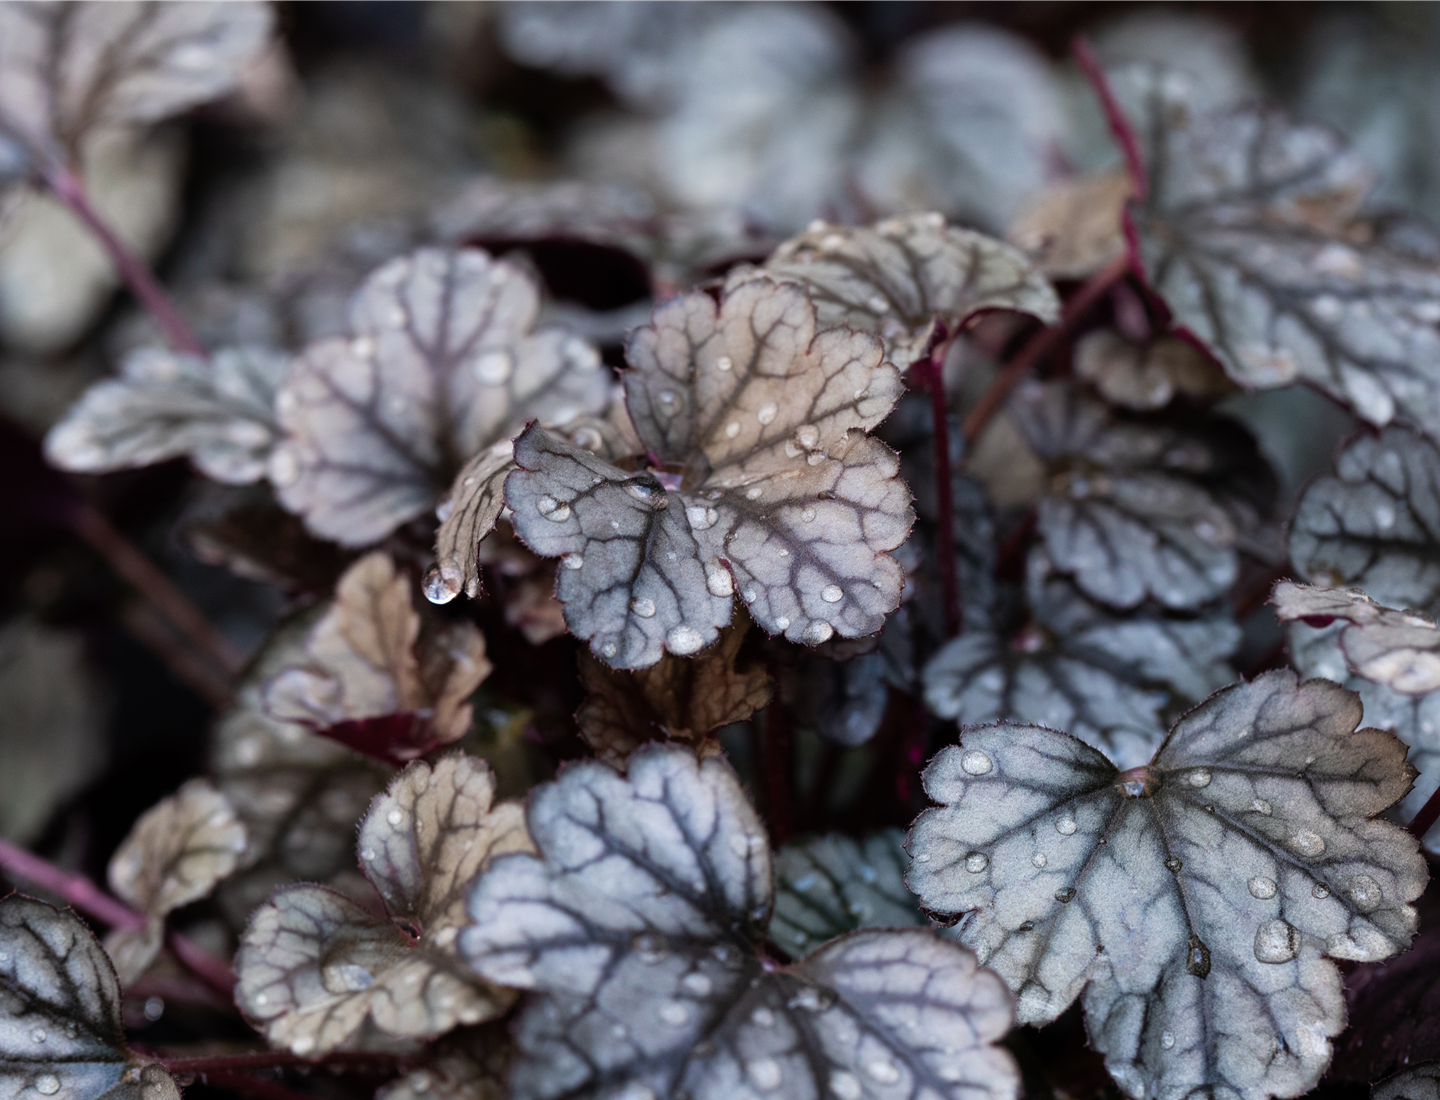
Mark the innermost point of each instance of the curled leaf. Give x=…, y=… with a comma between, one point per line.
x=1190, y=900
x=782, y=496
x=218, y=411
x=314, y=966
x=637, y=927
x=905, y=275
x=1396, y=649
x=61, y=1034
x=442, y=365
x=684, y=700
x=829, y=885
x=370, y=679
x=1149, y=375
x=175, y=854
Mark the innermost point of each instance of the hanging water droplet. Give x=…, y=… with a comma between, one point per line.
x=573, y=561
x=1263, y=888
x=976, y=862
x=1065, y=895
x=1173, y=865
x=764, y=1073
x=1039, y=859
x=684, y=640
x=1320, y=891
x=47, y=1084
x=832, y=593
x=1365, y=892
x=885, y=1072
x=643, y=607
x=1276, y=942
x=976, y=762
x=674, y=1013
x=766, y=414
x=698, y=984
x=1066, y=826
x=816, y=632
x=1167, y=1039
x=443, y=581
x=1200, y=777
x=1197, y=957
x=724, y=363
x=1308, y=844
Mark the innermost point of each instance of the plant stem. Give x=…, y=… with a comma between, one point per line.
x=268, y=1059
x=1120, y=127
x=1041, y=344
x=89, y=899
x=933, y=373
x=248, y=1085
x=1429, y=813
x=68, y=188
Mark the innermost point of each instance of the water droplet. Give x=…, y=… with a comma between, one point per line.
x=494, y=367
x=443, y=581
x=719, y=582
x=753, y=493
x=1260, y=806
x=1276, y=942
x=762, y=1017
x=1320, y=891
x=749, y=595
x=816, y=632
x=808, y=515
x=1197, y=958
x=698, y=984
x=885, y=1072
x=1263, y=888
x=878, y=304
x=684, y=640
x=647, y=490
x=608, y=649
x=812, y=999
x=154, y=1009
x=1167, y=1039
x=552, y=509
x=1065, y=895
x=38, y=1035
x=1038, y=860
x=1066, y=826
x=394, y=817
x=674, y=1013
x=649, y=947
x=832, y=593
x=573, y=561
x=701, y=518
x=1384, y=516
x=302, y=1044
x=782, y=623
x=1173, y=865
x=643, y=607
x=47, y=1084
x=724, y=363
x=1308, y=844
x=766, y=414
x=923, y=857
x=846, y=1086
x=667, y=397
x=732, y=429
x=1365, y=892
x=976, y=862
x=764, y=1073
x=1200, y=777
x=976, y=762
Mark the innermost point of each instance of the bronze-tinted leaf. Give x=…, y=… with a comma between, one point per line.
x=1396, y=649
x=1075, y=226
x=1149, y=375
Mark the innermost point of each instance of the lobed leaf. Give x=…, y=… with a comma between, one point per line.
x=174, y=854
x=366, y=660
x=218, y=411
x=782, y=495
x=443, y=365
x=1149, y=375
x=904, y=276
x=1191, y=900
x=1247, y=232
x=467, y=1064
x=827, y=886
x=61, y=1035
x=1395, y=649
x=314, y=966
x=1420, y=1082
x=637, y=926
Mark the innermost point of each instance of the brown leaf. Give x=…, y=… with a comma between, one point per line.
x=1149, y=375
x=685, y=699
x=1073, y=228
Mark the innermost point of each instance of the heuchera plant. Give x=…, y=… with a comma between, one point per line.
x=846, y=668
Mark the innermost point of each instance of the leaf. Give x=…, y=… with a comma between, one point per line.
x=1420, y=1082
x=637, y=926
x=476, y=499
x=684, y=700
x=1149, y=375
x=843, y=701
x=1113, y=682
x=1190, y=900
x=443, y=365
x=60, y=1028
x=1075, y=226
x=467, y=1064
x=314, y=966
x=219, y=412
x=783, y=497
x=827, y=886
x=1247, y=234
x=366, y=660
x=71, y=69
x=1395, y=649
x=904, y=276
x=1138, y=509
x=174, y=854
x=53, y=741
x=1376, y=524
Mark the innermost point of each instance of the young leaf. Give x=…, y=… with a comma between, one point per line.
x=1111, y=681
x=314, y=966
x=1247, y=233
x=1138, y=509
x=1396, y=649
x=370, y=680
x=829, y=885
x=60, y=1029
x=1420, y=1082
x=638, y=924
x=1376, y=524
x=904, y=276
x=442, y=365
x=783, y=497
x=1150, y=375
x=684, y=700
x=175, y=854
x=71, y=69
x=219, y=412
x=1191, y=900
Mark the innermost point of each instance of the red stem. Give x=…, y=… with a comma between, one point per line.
x=1429, y=813
x=89, y=899
x=68, y=188
x=1120, y=127
x=1040, y=345
x=248, y=1085
x=268, y=1059
x=934, y=374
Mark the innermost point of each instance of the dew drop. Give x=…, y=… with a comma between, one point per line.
x=573, y=561
x=762, y=1017
x=1365, y=892
x=923, y=857
x=608, y=649
x=302, y=1044
x=674, y=1013
x=1173, y=865
x=766, y=414
x=724, y=363
x=976, y=762
x=649, y=947
x=494, y=367
x=684, y=640
x=552, y=509
x=1308, y=844
x=47, y=1084
x=643, y=607
x=1200, y=777
x=1260, y=806
x=443, y=581
x=1167, y=1039
x=1066, y=826
x=394, y=817
x=846, y=1086
x=878, y=304
x=667, y=398
x=782, y=623
x=1197, y=957
x=749, y=595
x=38, y=1035
x=1263, y=888
x=816, y=632
x=1038, y=860
x=1320, y=891
x=647, y=490
x=832, y=593
x=1276, y=942
x=701, y=518
x=808, y=515
x=764, y=1073
x=732, y=429
x=719, y=583
x=698, y=984
x=976, y=862
x=887, y=1073
x=1065, y=895
x=753, y=493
